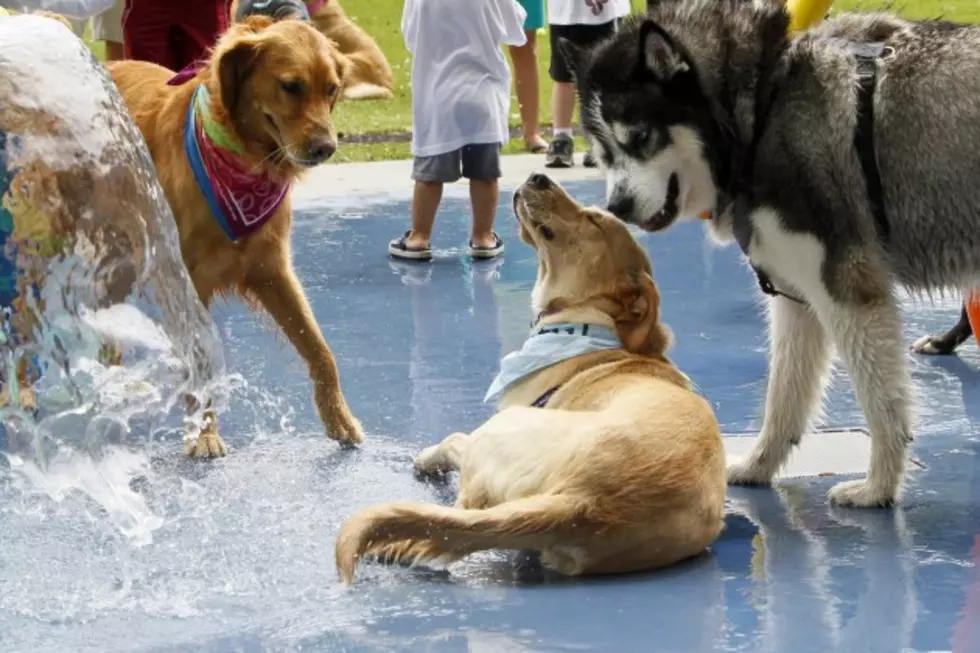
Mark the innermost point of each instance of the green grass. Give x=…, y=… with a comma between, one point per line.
x=382, y=20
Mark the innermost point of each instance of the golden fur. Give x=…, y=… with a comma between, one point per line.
x=278, y=126
x=623, y=470
x=370, y=76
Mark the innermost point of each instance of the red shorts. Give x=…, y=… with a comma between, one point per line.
x=173, y=33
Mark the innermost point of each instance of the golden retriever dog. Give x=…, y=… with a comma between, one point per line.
x=73, y=196
x=601, y=456
x=228, y=145
x=369, y=77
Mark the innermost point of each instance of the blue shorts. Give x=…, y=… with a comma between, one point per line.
x=535, y=14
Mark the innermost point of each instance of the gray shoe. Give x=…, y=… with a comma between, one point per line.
x=560, y=153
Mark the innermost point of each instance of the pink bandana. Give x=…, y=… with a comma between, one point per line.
x=315, y=6
x=241, y=199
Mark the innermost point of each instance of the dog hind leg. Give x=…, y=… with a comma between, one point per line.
x=798, y=367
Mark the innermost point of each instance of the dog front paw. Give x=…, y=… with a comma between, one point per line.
x=932, y=346
x=207, y=445
x=341, y=424
x=862, y=494
x=429, y=462
x=748, y=472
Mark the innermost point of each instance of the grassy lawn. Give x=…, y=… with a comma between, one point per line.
x=382, y=20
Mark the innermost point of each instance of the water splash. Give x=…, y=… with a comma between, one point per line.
x=101, y=302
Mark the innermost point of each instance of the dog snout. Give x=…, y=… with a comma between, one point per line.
x=319, y=150
x=621, y=206
x=538, y=181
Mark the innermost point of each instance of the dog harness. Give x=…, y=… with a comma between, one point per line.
x=546, y=346
x=866, y=56
x=241, y=200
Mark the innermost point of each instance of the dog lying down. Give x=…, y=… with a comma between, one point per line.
x=601, y=456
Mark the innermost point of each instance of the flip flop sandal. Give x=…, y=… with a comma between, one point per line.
x=488, y=251
x=400, y=249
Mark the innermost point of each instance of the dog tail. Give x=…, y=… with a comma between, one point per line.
x=418, y=532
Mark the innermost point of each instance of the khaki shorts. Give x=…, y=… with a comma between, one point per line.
x=107, y=26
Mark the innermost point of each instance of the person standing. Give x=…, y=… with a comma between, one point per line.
x=583, y=22
x=173, y=33
x=107, y=27
x=526, y=78
x=460, y=110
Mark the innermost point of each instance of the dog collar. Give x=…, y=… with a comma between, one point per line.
x=241, y=200
x=549, y=345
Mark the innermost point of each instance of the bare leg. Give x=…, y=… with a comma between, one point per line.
x=425, y=203
x=798, y=366
x=562, y=104
x=483, y=196
x=525, y=59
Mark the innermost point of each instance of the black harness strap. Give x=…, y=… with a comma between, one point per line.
x=867, y=56
x=542, y=401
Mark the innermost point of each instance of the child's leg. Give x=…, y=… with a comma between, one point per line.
x=425, y=203
x=481, y=165
x=430, y=174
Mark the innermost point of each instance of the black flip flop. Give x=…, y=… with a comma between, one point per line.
x=399, y=249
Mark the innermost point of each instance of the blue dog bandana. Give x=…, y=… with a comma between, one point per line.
x=549, y=345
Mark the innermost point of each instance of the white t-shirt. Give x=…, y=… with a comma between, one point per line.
x=586, y=12
x=73, y=8
x=460, y=79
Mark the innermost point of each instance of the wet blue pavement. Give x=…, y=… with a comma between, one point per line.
x=244, y=558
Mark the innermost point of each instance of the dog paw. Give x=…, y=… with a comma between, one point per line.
x=428, y=462
x=930, y=346
x=746, y=472
x=341, y=424
x=861, y=494
x=208, y=445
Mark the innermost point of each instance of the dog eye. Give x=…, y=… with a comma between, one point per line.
x=640, y=137
x=291, y=86
x=331, y=90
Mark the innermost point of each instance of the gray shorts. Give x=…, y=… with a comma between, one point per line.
x=480, y=161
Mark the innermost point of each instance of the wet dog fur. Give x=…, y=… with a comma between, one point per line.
x=274, y=85
x=671, y=104
x=623, y=470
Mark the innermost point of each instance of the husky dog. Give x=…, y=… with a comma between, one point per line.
x=843, y=160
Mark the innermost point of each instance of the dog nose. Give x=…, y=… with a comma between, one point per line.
x=621, y=206
x=321, y=149
x=539, y=181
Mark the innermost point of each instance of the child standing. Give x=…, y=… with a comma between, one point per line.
x=460, y=106
x=583, y=22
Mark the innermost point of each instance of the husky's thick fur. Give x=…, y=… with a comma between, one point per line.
x=709, y=106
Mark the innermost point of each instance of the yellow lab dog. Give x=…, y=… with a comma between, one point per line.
x=601, y=456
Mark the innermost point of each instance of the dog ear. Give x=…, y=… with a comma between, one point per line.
x=659, y=55
x=639, y=325
x=234, y=66
x=573, y=55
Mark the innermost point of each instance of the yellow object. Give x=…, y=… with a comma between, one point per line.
x=5, y=12
x=804, y=14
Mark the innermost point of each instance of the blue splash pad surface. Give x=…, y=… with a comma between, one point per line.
x=241, y=558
